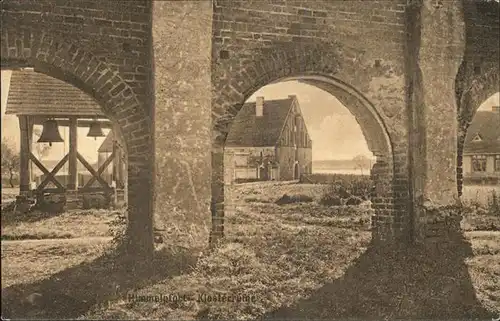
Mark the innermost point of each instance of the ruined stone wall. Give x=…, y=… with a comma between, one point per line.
x=478, y=77
x=360, y=43
x=103, y=48
x=182, y=46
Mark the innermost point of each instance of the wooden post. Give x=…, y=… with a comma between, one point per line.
x=121, y=168
x=73, y=149
x=26, y=128
x=116, y=157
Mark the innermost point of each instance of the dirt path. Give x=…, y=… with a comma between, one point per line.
x=96, y=239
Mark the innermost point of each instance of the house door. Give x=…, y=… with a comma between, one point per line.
x=264, y=172
x=296, y=171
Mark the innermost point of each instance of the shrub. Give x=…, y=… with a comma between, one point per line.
x=330, y=200
x=96, y=201
x=354, y=200
x=118, y=228
x=299, y=198
x=347, y=189
x=494, y=203
x=51, y=203
x=246, y=180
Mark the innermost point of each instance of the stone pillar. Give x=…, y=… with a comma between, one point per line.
x=182, y=33
x=438, y=40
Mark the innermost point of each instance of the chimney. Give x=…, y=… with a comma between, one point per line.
x=495, y=109
x=259, y=106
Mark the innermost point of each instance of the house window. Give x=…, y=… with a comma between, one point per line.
x=479, y=163
x=497, y=163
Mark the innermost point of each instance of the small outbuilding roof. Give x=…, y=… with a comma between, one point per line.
x=33, y=93
x=483, y=134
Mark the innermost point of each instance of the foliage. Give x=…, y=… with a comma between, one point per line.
x=361, y=162
x=482, y=200
x=330, y=199
x=494, y=203
x=98, y=201
x=298, y=198
x=246, y=180
x=354, y=200
x=10, y=162
x=118, y=228
x=351, y=189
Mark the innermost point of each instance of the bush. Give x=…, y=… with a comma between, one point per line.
x=330, y=200
x=51, y=203
x=97, y=201
x=118, y=228
x=246, y=180
x=347, y=189
x=354, y=200
x=299, y=198
x=494, y=203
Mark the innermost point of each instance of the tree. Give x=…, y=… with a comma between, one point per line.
x=10, y=162
x=361, y=162
x=40, y=149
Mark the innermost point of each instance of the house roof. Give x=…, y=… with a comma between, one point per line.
x=107, y=144
x=33, y=93
x=486, y=124
x=248, y=130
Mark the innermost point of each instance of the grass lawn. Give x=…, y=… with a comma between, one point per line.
x=296, y=260
x=34, y=260
x=70, y=224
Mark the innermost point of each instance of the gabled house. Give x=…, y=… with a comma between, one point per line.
x=268, y=140
x=481, y=156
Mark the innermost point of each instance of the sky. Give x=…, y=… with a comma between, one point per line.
x=333, y=130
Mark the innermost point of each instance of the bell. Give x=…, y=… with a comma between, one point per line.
x=50, y=133
x=95, y=130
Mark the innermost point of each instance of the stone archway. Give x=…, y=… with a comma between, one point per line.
x=321, y=67
x=479, y=90
x=62, y=59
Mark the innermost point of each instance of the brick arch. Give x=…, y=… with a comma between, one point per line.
x=371, y=124
x=478, y=91
x=322, y=66
x=63, y=59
